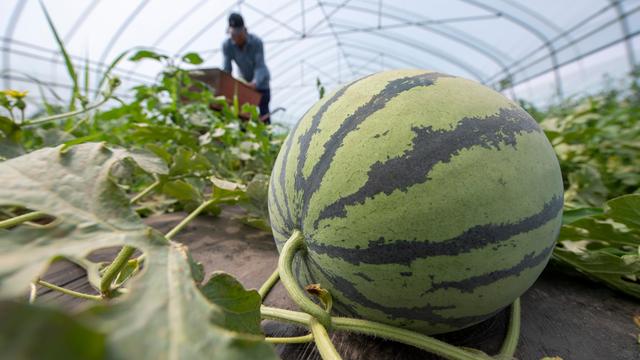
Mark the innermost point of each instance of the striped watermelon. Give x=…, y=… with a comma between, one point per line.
x=426, y=201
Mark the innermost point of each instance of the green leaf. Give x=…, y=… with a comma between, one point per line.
x=573, y=215
x=67, y=59
x=166, y=316
x=181, y=190
x=241, y=307
x=36, y=332
x=626, y=210
x=192, y=58
x=606, y=246
x=186, y=161
x=77, y=189
x=147, y=54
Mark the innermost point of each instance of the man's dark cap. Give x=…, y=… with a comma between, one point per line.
x=236, y=21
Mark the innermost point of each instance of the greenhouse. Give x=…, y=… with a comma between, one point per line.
x=302, y=179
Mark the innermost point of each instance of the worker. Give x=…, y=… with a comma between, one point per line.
x=248, y=53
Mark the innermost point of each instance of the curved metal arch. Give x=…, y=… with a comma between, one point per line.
x=536, y=33
x=258, y=22
x=288, y=89
x=121, y=30
x=566, y=31
x=476, y=73
x=580, y=38
x=13, y=21
x=469, y=43
x=622, y=18
x=290, y=61
x=80, y=20
x=390, y=56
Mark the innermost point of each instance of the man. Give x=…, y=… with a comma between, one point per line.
x=247, y=51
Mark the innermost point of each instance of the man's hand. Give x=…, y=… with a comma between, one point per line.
x=252, y=85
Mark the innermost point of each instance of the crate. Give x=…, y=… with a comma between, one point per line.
x=225, y=85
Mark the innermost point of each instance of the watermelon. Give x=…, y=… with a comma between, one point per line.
x=426, y=201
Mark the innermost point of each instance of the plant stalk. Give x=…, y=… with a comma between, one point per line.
x=114, y=268
x=271, y=281
x=69, y=292
x=376, y=329
x=46, y=119
x=34, y=215
x=508, y=349
x=144, y=192
x=297, y=294
x=290, y=340
x=323, y=342
x=190, y=217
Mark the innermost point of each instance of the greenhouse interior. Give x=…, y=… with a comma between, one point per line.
x=310, y=179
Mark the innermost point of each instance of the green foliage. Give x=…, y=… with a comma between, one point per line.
x=597, y=140
x=166, y=313
x=606, y=247
x=36, y=332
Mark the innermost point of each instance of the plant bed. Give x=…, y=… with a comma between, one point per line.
x=562, y=315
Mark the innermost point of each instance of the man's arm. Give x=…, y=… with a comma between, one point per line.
x=261, y=73
x=226, y=58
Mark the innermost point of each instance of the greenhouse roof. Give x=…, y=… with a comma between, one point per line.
x=540, y=51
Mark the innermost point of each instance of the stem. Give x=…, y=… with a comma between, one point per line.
x=376, y=329
x=271, y=281
x=114, y=268
x=323, y=341
x=69, y=292
x=508, y=349
x=33, y=293
x=145, y=192
x=34, y=215
x=296, y=293
x=404, y=336
x=46, y=119
x=293, y=317
x=190, y=217
x=290, y=340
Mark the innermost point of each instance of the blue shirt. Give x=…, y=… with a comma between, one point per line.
x=250, y=60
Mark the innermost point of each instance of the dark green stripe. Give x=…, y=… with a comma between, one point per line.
x=421, y=313
x=470, y=284
x=282, y=178
x=377, y=102
x=431, y=147
x=406, y=251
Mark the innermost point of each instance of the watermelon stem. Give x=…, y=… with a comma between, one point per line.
x=290, y=340
x=376, y=329
x=271, y=281
x=289, y=250
x=510, y=343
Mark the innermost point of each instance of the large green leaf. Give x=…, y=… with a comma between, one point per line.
x=606, y=247
x=166, y=316
x=241, y=307
x=35, y=332
x=76, y=187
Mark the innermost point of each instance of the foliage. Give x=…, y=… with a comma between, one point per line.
x=169, y=312
x=597, y=140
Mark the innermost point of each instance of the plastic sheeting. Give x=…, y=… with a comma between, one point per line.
x=540, y=51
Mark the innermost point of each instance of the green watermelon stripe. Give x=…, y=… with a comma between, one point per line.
x=431, y=147
x=405, y=251
x=288, y=220
x=470, y=284
x=377, y=102
x=274, y=200
x=425, y=313
x=304, y=140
